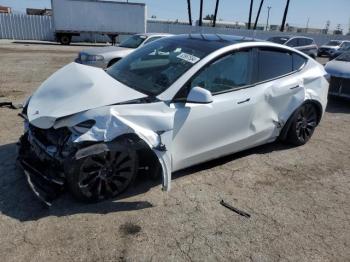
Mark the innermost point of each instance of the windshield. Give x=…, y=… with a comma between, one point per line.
x=155, y=67
x=344, y=57
x=278, y=39
x=333, y=43
x=134, y=41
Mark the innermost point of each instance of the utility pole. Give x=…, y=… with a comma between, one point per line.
x=250, y=13
x=216, y=12
x=257, y=16
x=200, y=13
x=268, y=17
x=307, y=24
x=189, y=12
x=285, y=16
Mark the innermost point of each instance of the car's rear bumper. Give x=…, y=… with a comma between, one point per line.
x=339, y=86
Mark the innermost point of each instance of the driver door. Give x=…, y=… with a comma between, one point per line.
x=207, y=131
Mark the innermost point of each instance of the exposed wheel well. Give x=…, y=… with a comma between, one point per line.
x=148, y=161
x=113, y=61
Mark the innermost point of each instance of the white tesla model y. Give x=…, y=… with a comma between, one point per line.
x=172, y=104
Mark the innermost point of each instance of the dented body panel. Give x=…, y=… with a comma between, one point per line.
x=179, y=134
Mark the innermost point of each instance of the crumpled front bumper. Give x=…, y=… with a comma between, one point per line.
x=43, y=173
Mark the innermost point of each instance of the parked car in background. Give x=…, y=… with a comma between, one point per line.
x=304, y=44
x=339, y=70
x=171, y=104
x=335, y=53
x=104, y=57
x=331, y=46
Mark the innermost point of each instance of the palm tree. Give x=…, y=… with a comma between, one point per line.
x=200, y=13
x=285, y=16
x=257, y=16
x=216, y=12
x=189, y=12
x=250, y=13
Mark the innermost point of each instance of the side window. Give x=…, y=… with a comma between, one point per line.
x=151, y=39
x=308, y=41
x=298, y=62
x=293, y=42
x=273, y=63
x=228, y=73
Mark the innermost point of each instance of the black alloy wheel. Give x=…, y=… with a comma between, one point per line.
x=103, y=175
x=303, y=125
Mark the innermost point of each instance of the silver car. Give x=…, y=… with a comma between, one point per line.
x=304, y=44
x=339, y=70
x=172, y=104
x=104, y=57
x=332, y=46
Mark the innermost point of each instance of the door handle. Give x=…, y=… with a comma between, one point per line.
x=294, y=87
x=244, y=101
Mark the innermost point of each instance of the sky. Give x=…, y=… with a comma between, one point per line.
x=300, y=11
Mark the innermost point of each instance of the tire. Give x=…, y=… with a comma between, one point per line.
x=65, y=39
x=102, y=176
x=303, y=125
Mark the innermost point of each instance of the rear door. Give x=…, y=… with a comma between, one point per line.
x=281, y=91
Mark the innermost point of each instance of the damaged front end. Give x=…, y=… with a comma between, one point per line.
x=42, y=155
x=55, y=158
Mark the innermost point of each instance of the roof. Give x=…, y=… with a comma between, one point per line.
x=152, y=34
x=213, y=41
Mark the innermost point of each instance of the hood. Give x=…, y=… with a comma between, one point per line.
x=105, y=50
x=338, y=68
x=76, y=88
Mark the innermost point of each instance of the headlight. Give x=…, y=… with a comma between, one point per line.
x=83, y=127
x=95, y=58
x=90, y=58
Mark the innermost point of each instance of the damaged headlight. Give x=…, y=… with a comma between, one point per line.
x=83, y=127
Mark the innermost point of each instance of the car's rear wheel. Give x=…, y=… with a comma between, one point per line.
x=303, y=125
x=104, y=175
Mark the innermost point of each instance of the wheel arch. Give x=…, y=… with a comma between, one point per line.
x=113, y=61
x=286, y=127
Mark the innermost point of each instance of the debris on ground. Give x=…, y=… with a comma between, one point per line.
x=236, y=210
x=4, y=102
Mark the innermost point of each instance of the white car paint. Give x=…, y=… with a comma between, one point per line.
x=192, y=133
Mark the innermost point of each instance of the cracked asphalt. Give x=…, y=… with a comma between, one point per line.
x=298, y=198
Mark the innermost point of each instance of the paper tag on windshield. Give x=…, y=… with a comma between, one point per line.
x=189, y=58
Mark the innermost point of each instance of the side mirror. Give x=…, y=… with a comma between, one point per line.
x=199, y=95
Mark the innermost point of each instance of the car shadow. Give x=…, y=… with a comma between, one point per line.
x=338, y=105
x=58, y=44
x=17, y=200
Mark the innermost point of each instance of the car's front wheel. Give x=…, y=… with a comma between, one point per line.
x=303, y=124
x=103, y=175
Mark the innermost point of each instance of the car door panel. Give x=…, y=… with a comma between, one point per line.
x=207, y=131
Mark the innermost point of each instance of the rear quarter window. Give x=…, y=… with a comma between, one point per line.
x=273, y=64
x=298, y=62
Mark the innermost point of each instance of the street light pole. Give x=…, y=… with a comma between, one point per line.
x=268, y=17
